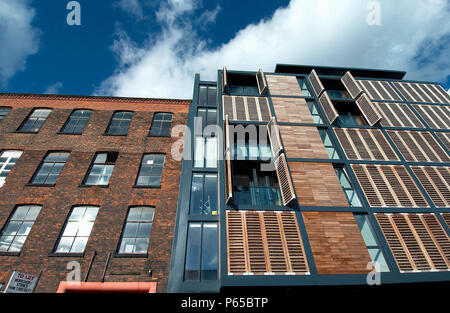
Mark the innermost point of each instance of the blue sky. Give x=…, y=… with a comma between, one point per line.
x=148, y=48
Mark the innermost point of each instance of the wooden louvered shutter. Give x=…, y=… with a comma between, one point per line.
x=274, y=136
x=410, y=186
x=224, y=80
x=252, y=109
x=240, y=108
x=436, y=187
x=227, y=164
x=315, y=82
x=370, y=191
x=350, y=84
x=236, y=243
x=284, y=179
x=446, y=217
x=227, y=105
x=368, y=109
x=328, y=107
x=264, y=109
x=261, y=80
x=346, y=144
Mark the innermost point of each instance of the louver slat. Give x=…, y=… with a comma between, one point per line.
x=315, y=82
x=276, y=255
x=446, y=217
x=373, y=148
x=400, y=145
x=443, y=156
x=381, y=185
x=284, y=179
x=442, y=92
x=410, y=241
x=264, y=109
x=402, y=258
x=390, y=90
x=397, y=188
x=368, y=110
x=227, y=163
x=240, y=109
x=261, y=80
x=411, y=186
x=350, y=84
x=224, y=80
x=428, y=186
x=227, y=103
x=440, y=236
x=294, y=245
x=358, y=144
x=255, y=243
x=237, y=263
x=442, y=186
x=252, y=109
x=345, y=143
x=435, y=256
x=274, y=136
x=445, y=138
x=407, y=111
x=385, y=146
x=328, y=108
x=366, y=185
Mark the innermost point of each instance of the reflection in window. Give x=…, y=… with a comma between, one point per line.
x=303, y=87
x=207, y=95
x=101, y=169
x=314, y=112
x=7, y=161
x=208, y=117
x=76, y=122
x=161, y=125
x=253, y=151
x=243, y=90
x=119, y=124
x=151, y=170
x=50, y=168
x=77, y=230
x=18, y=227
x=35, y=121
x=331, y=150
x=349, y=191
x=201, y=251
x=136, y=234
x=204, y=194
x=205, y=152
x=371, y=242
x=3, y=112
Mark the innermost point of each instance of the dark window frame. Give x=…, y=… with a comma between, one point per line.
x=30, y=183
x=160, y=129
x=19, y=129
x=86, y=176
x=140, y=167
x=62, y=132
x=108, y=129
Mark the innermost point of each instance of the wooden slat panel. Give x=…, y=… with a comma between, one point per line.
x=255, y=243
x=432, y=112
x=371, y=145
x=368, y=110
x=399, y=191
x=346, y=144
x=383, y=186
x=315, y=82
x=227, y=163
x=411, y=116
x=435, y=147
x=439, y=235
x=292, y=110
x=429, y=187
x=252, y=109
x=227, y=103
x=403, y=92
x=261, y=81
x=440, y=90
x=294, y=242
x=429, y=245
x=401, y=146
x=369, y=89
x=303, y=142
x=224, y=80
x=286, y=187
x=396, y=245
x=394, y=95
x=358, y=144
x=384, y=94
x=336, y=243
x=369, y=189
x=274, y=137
x=236, y=248
x=390, y=118
x=240, y=109
x=411, y=187
x=445, y=138
x=316, y=184
x=264, y=109
x=385, y=145
x=350, y=84
x=328, y=108
x=411, y=242
x=281, y=85
x=440, y=184
x=276, y=255
x=446, y=217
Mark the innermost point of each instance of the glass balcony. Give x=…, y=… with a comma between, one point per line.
x=257, y=196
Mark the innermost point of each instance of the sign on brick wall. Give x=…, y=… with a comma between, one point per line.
x=21, y=283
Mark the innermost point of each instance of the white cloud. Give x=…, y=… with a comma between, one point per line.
x=132, y=7
x=328, y=32
x=53, y=89
x=18, y=38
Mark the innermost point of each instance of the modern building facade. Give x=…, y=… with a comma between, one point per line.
x=315, y=176
x=88, y=191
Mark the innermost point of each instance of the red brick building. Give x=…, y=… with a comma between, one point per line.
x=91, y=180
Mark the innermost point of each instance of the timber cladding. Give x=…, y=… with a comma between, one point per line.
x=262, y=243
x=292, y=110
x=302, y=142
x=418, y=241
x=336, y=243
x=316, y=184
x=283, y=85
x=113, y=201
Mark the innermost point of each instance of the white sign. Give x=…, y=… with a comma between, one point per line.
x=21, y=283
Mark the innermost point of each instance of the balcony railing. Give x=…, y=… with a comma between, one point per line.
x=257, y=196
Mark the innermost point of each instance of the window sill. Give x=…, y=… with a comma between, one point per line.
x=66, y=254
x=147, y=187
x=23, y=132
x=158, y=136
x=116, y=135
x=72, y=134
x=39, y=185
x=93, y=186
x=6, y=253
x=131, y=255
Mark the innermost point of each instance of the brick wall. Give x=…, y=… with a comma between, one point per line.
x=113, y=201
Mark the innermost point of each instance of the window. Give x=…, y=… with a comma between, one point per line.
x=204, y=194
x=151, y=170
x=18, y=227
x=50, y=168
x=303, y=87
x=207, y=95
x=76, y=122
x=3, y=112
x=314, y=112
x=205, y=152
x=349, y=191
x=207, y=117
x=136, y=234
x=7, y=161
x=371, y=242
x=34, y=122
x=161, y=125
x=120, y=122
x=101, y=169
x=332, y=152
x=77, y=230
x=201, y=251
